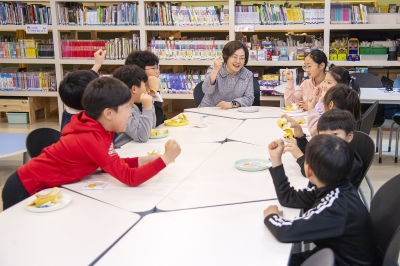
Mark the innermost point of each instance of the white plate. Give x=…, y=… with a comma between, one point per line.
x=65, y=201
x=159, y=136
x=253, y=164
x=200, y=125
x=292, y=112
x=249, y=109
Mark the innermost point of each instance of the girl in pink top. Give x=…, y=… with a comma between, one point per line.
x=310, y=90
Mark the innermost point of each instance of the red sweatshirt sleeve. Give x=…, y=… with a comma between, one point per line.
x=132, y=162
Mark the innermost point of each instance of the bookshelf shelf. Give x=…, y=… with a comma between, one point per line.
x=19, y=27
x=367, y=63
x=275, y=63
x=187, y=28
x=364, y=26
x=27, y=61
x=30, y=93
x=296, y=27
x=89, y=62
x=97, y=28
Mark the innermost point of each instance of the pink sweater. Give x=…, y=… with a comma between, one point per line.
x=306, y=89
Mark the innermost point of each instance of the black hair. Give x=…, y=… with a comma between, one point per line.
x=342, y=76
x=102, y=93
x=231, y=47
x=318, y=57
x=131, y=75
x=142, y=59
x=330, y=158
x=72, y=87
x=345, y=98
x=335, y=119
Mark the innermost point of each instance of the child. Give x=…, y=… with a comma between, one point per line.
x=139, y=123
x=86, y=144
x=73, y=85
x=335, y=75
x=314, y=64
x=334, y=122
x=336, y=217
x=149, y=63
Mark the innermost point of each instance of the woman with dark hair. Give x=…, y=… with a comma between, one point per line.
x=228, y=84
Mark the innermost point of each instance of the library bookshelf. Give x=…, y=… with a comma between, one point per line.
x=145, y=32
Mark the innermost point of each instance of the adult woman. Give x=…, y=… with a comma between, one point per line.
x=228, y=84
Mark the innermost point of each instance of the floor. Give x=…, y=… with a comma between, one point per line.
x=378, y=173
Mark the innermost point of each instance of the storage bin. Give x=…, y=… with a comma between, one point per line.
x=373, y=50
x=17, y=118
x=382, y=57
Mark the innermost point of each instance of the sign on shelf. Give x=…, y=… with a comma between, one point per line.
x=36, y=28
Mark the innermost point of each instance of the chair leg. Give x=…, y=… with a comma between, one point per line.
x=397, y=145
x=364, y=199
x=370, y=186
x=25, y=158
x=377, y=140
x=390, y=136
x=380, y=133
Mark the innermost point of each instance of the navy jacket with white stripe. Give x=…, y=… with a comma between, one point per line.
x=336, y=218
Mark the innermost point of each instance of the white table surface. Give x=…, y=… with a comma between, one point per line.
x=74, y=235
x=218, y=182
x=12, y=144
x=226, y=235
x=259, y=132
x=264, y=112
x=143, y=199
x=217, y=131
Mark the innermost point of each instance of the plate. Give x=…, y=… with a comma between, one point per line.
x=253, y=164
x=200, y=125
x=65, y=201
x=172, y=124
x=159, y=136
x=249, y=109
x=292, y=112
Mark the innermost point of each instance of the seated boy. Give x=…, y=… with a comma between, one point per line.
x=336, y=217
x=149, y=63
x=140, y=122
x=85, y=145
x=333, y=122
x=73, y=85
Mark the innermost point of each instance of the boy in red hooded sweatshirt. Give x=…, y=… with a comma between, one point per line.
x=86, y=145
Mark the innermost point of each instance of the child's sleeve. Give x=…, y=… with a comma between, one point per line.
x=207, y=87
x=287, y=195
x=302, y=143
x=327, y=220
x=291, y=95
x=248, y=98
x=312, y=118
x=160, y=116
x=139, y=125
x=300, y=162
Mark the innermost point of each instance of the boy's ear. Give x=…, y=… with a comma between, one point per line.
x=108, y=113
x=331, y=105
x=308, y=171
x=350, y=137
x=133, y=89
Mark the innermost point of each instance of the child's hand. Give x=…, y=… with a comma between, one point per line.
x=288, y=74
x=293, y=123
x=293, y=149
x=172, y=150
x=153, y=83
x=313, y=131
x=303, y=105
x=147, y=101
x=275, y=150
x=321, y=99
x=272, y=209
x=99, y=57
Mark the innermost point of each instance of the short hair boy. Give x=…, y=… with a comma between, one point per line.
x=73, y=85
x=149, y=62
x=85, y=145
x=140, y=122
x=333, y=122
x=336, y=217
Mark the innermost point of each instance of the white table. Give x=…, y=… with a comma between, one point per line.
x=259, y=132
x=143, y=199
x=75, y=235
x=12, y=144
x=264, y=112
x=371, y=95
x=217, y=131
x=227, y=235
x=217, y=181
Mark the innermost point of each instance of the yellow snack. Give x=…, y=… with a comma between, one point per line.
x=154, y=152
x=92, y=185
x=158, y=132
x=288, y=108
x=283, y=123
x=301, y=120
x=54, y=196
x=288, y=133
x=180, y=120
x=153, y=90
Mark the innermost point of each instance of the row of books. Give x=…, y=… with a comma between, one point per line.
x=165, y=14
x=274, y=14
x=76, y=14
x=182, y=83
x=28, y=81
x=26, y=48
x=18, y=13
x=346, y=13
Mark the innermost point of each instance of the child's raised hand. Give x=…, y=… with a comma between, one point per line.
x=172, y=150
x=147, y=101
x=272, y=209
x=288, y=74
x=153, y=83
x=275, y=150
x=99, y=56
x=293, y=123
x=293, y=149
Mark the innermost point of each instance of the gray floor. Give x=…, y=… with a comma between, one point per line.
x=379, y=173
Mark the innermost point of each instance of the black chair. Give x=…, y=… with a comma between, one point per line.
x=385, y=215
x=396, y=120
x=392, y=252
x=39, y=139
x=198, y=93
x=324, y=257
x=256, y=86
x=367, y=80
x=365, y=147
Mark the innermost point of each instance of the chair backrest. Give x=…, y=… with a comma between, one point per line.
x=392, y=253
x=367, y=80
x=396, y=83
x=368, y=118
x=324, y=257
x=198, y=93
x=256, y=86
x=39, y=139
x=385, y=213
x=365, y=147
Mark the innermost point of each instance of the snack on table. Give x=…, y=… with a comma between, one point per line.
x=292, y=107
x=285, y=125
x=181, y=120
x=158, y=132
x=54, y=196
x=153, y=152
